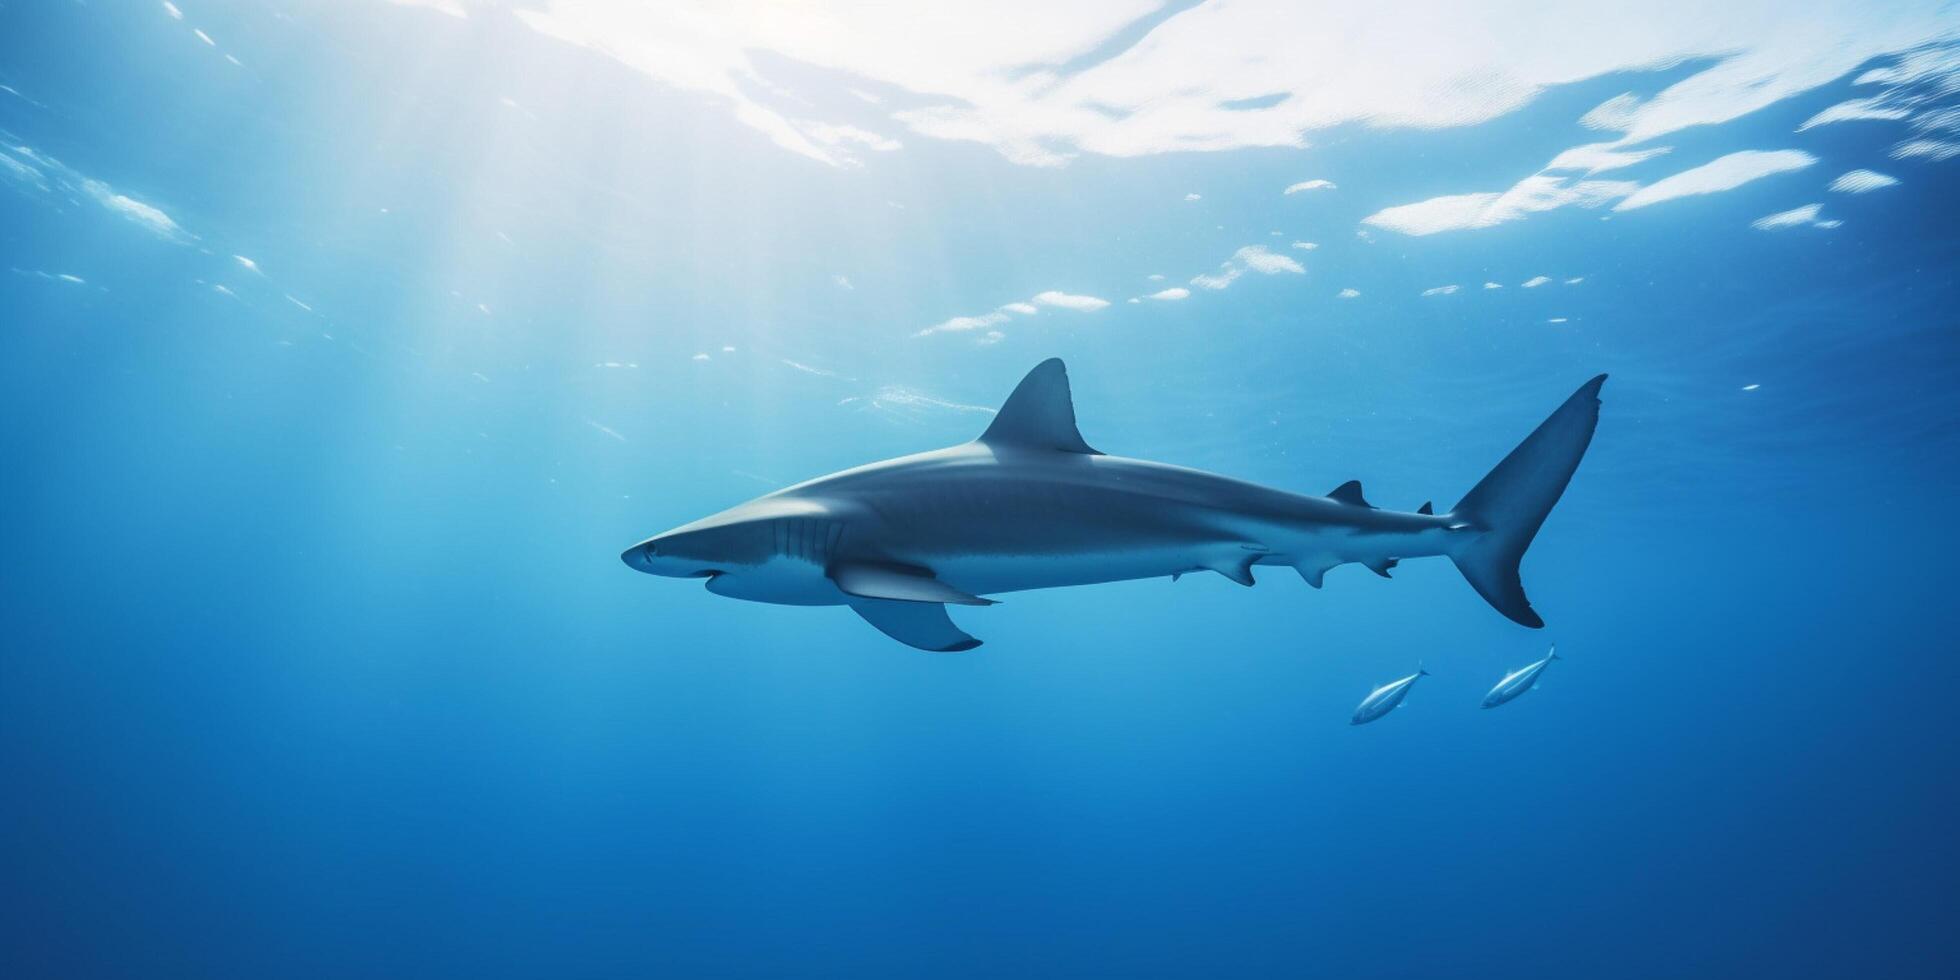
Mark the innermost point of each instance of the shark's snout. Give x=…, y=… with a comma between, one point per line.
x=639, y=557
x=668, y=560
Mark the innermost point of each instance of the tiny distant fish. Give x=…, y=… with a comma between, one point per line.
x=1385, y=698
x=1518, y=681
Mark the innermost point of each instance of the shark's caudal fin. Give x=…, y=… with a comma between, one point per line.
x=1507, y=507
x=1039, y=414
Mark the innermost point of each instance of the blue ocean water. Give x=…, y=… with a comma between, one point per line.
x=339, y=371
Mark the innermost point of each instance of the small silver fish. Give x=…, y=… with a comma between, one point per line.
x=1518, y=681
x=1385, y=698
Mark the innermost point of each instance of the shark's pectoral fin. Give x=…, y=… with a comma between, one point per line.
x=924, y=625
x=871, y=580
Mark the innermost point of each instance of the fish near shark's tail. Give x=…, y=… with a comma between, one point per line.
x=1505, y=509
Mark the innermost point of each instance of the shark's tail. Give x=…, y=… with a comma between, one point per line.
x=1505, y=510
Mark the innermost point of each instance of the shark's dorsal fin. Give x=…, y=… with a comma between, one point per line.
x=1349, y=493
x=1426, y=508
x=1039, y=414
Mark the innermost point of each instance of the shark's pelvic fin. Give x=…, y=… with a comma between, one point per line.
x=924, y=625
x=1313, y=574
x=1039, y=414
x=1350, y=493
x=899, y=583
x=1238, y=568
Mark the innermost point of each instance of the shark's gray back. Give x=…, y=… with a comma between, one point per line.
x=976, y=499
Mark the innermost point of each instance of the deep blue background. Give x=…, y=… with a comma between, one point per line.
x=319, y=660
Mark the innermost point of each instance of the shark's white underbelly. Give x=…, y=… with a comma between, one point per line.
x=986, y=574
x=982, y=572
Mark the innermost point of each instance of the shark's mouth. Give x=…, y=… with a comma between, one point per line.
x=707, y=573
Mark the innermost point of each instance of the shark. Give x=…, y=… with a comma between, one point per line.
x=1030, y=505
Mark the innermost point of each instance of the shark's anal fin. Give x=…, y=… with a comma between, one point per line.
x=1380, y=566
x=1350, y=493
x=1039, y=414
x=901, y=583
x=924, y=625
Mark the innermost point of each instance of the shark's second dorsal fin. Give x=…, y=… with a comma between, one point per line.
x=1426, y=508
x=1349, y=493
x=1039, y=414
